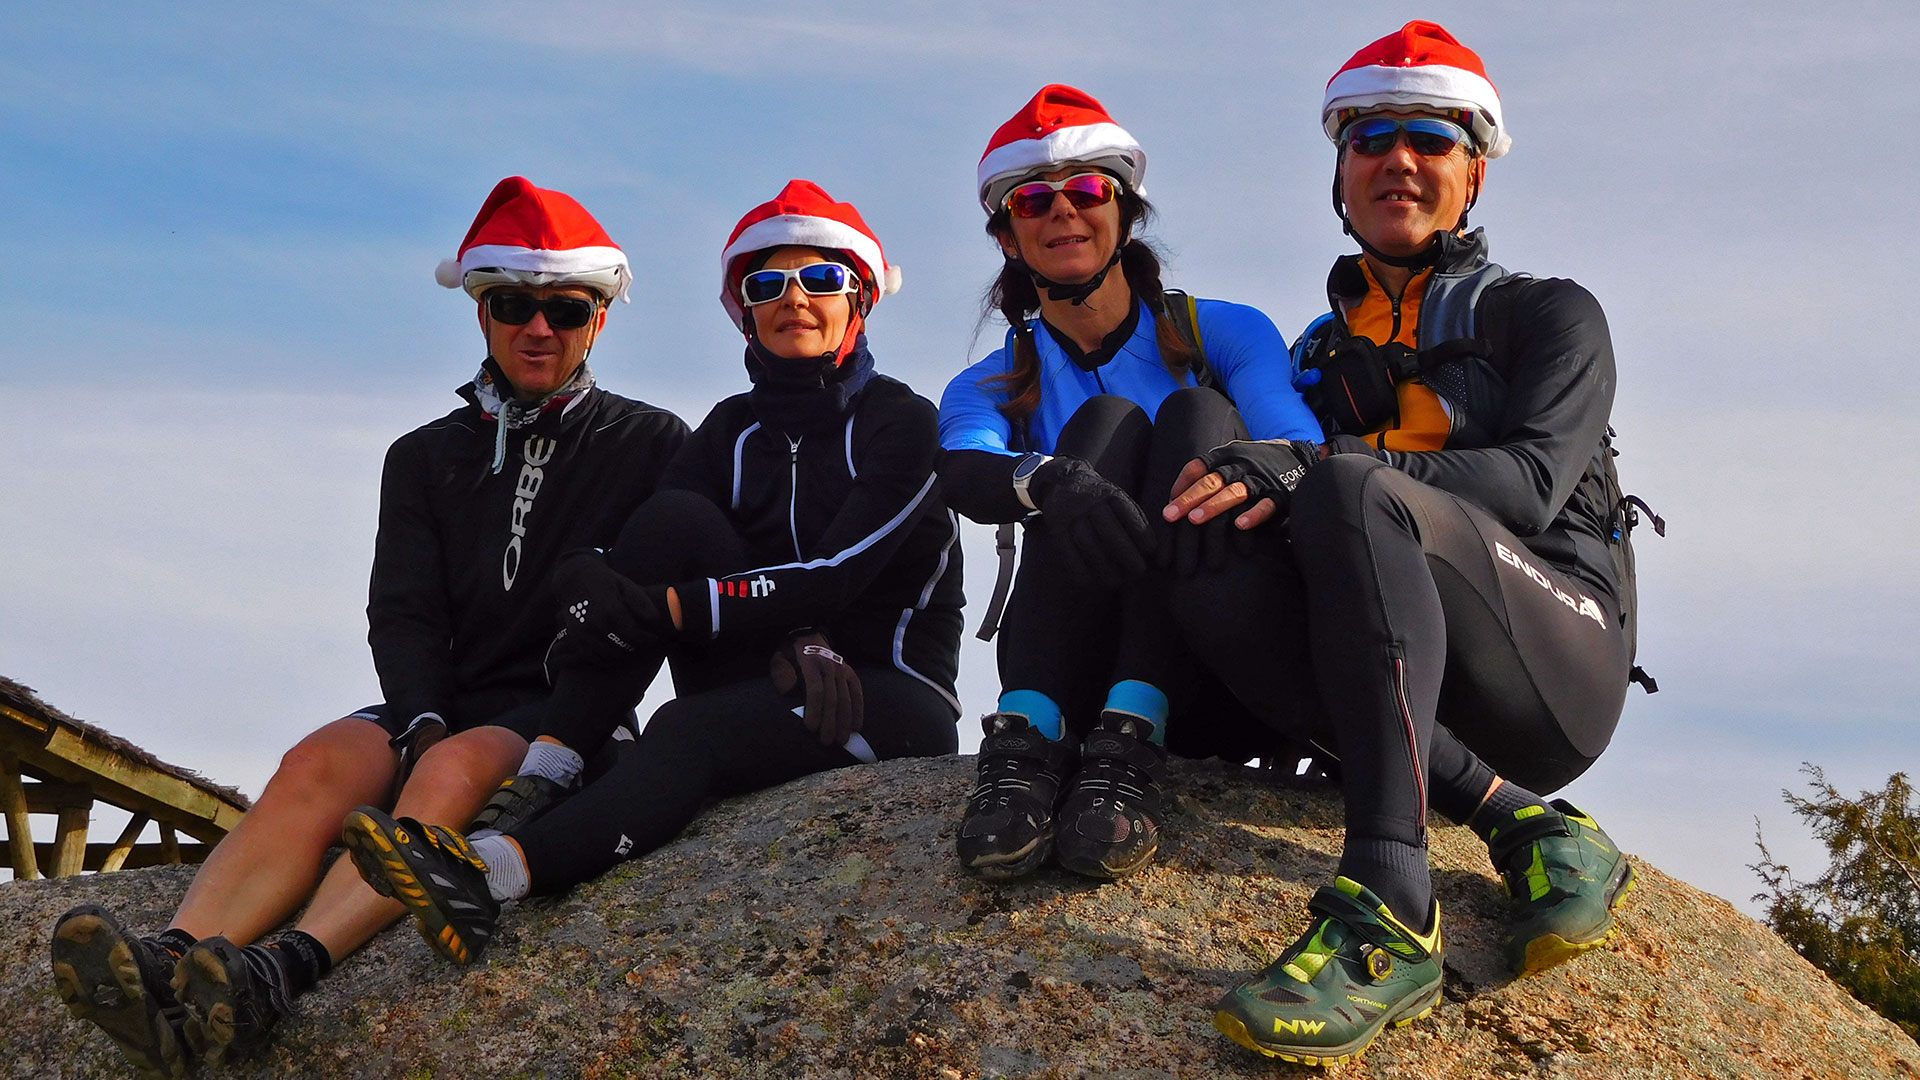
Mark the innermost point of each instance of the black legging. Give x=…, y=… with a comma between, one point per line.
x=723, y=742
x=1441, y=661
x=1072, y=643
x=727, y=732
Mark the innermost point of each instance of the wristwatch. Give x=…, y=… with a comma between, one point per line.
x=1023, y=471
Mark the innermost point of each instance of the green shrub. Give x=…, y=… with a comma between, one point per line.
x=1860, y=921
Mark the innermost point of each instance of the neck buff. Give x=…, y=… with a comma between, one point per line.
x=809, y=394
x=510, y=411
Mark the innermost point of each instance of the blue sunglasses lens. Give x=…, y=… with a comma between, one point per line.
x=1375, y=136
x=816, y=279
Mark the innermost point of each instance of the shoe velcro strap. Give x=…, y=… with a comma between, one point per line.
x=1364, y=923
x=1113, y=746
x=1523, y=835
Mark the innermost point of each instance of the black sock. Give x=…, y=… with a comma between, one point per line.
x=1500, y=809
x=303, y=960
x=174, y=940
x=1396, y=872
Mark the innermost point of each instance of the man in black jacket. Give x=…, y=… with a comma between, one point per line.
x=1461, y=541
x=475, y=509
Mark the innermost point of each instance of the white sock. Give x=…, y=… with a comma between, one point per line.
x=506, y=870
x=553, y=761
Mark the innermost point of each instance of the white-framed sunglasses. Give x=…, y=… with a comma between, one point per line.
x=816, y=279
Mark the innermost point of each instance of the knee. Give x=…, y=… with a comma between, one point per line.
x=481, y=753
x=1330, y=498
x=1093, y=425
x=665, y=536
x=1195, y=409
x=339, y=757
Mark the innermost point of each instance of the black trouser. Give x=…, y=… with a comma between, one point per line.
x=726, y=732
x=1446, y=651
x=1071, y=642
x=710, y=745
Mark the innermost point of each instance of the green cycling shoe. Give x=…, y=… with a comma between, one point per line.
x=1356, y=970
x=1566, y=876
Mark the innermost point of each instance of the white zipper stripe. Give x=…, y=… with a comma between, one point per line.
x=926, y=594
x=851, y=471
x=739, y=447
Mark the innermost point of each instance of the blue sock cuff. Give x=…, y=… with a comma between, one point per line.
x=1039, y=709
x=1142, y=699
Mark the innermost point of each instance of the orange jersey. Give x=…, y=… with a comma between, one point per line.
x=1423, y=423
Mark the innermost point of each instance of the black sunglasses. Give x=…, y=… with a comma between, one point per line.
x=518, y=308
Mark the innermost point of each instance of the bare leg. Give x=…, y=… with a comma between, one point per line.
x=451, y=783
x=268, y=865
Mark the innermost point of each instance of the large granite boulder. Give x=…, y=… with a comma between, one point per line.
x=822, y=929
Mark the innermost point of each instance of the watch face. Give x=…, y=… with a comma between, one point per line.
x=1028, y=466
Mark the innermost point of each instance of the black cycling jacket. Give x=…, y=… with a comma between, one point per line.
x=1539, y=468
x=459, y=611
x=848, y=525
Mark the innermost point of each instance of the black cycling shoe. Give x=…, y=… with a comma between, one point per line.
x=1008, y=827
x=517, y=801
x=1110, y=822
x=123, y=985
x=433, y=871
x=234, y=997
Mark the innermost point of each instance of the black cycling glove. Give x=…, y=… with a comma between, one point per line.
x=1270, y=468
x=807, y=665
x=1096, y=528
x=604, y=617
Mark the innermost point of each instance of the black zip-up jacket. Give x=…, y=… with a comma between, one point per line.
x=460, y=611
x=848, y=524
x=1542, y=470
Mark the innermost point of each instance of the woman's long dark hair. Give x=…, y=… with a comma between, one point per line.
x=1015, y=296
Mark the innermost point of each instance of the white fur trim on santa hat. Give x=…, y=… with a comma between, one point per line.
x=1379, y=86
x=801, y=230
x=1083, y=143
x=562, y=265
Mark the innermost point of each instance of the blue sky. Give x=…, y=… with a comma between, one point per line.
x=222, y=221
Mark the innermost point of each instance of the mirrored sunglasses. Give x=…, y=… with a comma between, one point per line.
x=517, y=309
x=1372, y=136
x=1084, y=190
x=816, y=279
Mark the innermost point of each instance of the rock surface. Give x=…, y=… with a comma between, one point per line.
x=822, y=929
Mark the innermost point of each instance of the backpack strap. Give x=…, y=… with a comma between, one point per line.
x=1182, y=311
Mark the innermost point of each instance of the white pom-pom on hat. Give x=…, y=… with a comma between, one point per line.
x=448, y=273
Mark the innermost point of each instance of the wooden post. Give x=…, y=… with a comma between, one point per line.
x=70, y=841
x=169, y=845
x=123, y=847
x=13, y=800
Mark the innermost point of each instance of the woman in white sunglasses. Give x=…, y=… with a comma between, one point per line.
x=1106, y=386
x=799, y=529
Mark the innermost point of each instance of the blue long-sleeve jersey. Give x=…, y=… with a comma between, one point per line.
x=1243, y=348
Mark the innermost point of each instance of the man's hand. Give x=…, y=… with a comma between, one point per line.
x=420, y=736
x=1264, y=473
x=604, y=617
x=835, y=706
x=1096, y=529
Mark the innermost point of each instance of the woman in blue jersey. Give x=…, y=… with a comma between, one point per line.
x=1107, y=385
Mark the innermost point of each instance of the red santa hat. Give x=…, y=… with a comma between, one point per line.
x=533, y=236
x=804, y=215
x=1419, y=66
x=1059, y=125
